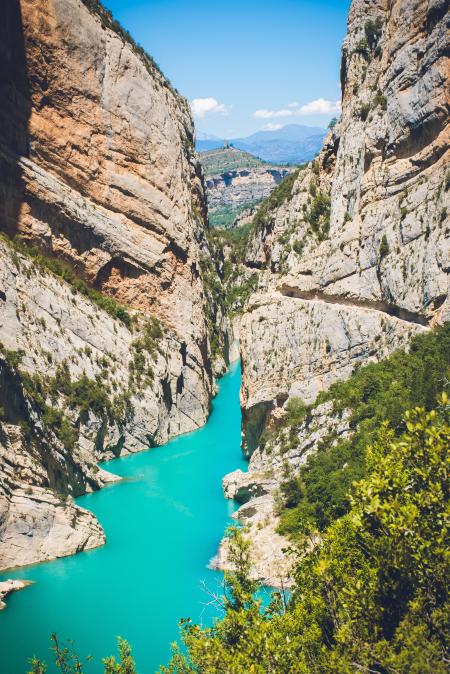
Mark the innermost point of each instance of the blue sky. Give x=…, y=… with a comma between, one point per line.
x=245, y=65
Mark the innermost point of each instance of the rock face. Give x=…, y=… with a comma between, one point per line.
x=97, y=171
x=357, y=258
x=241, y=188
x=9, y=586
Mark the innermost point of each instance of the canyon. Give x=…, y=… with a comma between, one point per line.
x=97, y=172
x=235, y=182
x=112, y=291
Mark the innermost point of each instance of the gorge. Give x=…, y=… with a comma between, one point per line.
x=163, y=523
x=120, y=307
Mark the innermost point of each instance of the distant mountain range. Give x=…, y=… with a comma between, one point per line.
x=292, y=144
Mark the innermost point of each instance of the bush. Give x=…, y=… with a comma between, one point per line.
x=278, y=196
x=296, y=411
x=318, y=215
x=377, y=392
x=370, y=596
x=364, y=111
x=384, y=247
x=373, y=30
x=380, y=100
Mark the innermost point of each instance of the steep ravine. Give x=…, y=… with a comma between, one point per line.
x=355, y=260
x=110, y=336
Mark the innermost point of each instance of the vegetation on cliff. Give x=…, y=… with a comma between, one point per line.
x=67, y=274
x=227, y=159
x=377, y=392
x=371, y=595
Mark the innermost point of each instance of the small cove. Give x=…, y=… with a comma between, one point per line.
x=163, y=525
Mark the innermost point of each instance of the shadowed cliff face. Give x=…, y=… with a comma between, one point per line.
x=15, y=110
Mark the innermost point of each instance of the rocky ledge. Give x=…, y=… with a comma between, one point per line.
x=8, y=586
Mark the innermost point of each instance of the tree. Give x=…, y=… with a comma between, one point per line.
x=371, y=597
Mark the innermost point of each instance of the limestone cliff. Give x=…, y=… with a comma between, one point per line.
x=231, y=192
x=100, y=183
x=356, y=259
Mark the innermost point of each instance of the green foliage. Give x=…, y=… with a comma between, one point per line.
x=278, y=196
x=318, y=213
x=13, y=358
x=235, y=238
x=364, y=111
x=384, y=247
x=89, y=395
x=373, y=30
x=226, y=159
x=215, y=295
x=239, y=292
x=84, y=395
x=125, y=665
x=362, y=48
x=332, y=123
x=67, y=660
x=66, y=273
x=296, y=411
x=377, y=392
x=380, y=100
x=226, y=216
x=370, y=596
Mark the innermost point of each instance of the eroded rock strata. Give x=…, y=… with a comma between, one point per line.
x=97, y=172
x=356, y=260
x=241, y=188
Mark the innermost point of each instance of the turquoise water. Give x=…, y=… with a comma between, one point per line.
x=163, y=525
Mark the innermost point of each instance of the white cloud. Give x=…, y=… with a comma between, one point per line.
x=268, y=114
x=207, y=106
x=317, y=107
x=272, y=127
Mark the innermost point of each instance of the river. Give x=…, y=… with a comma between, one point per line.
x=163, y=525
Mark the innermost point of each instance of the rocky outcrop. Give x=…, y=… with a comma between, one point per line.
x=9, y=586
x=355, y=261
x=100, y=182
x=241, y=188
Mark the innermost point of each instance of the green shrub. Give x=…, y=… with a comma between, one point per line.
x=373, y=30
x=380, y=100
x=377, y=392
x=278, y=196
x=384, y=247
x=370, y=596
x=364, y=111
x=295, y=411
x=318, y=215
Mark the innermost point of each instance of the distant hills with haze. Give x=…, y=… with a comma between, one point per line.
x=291, y=144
